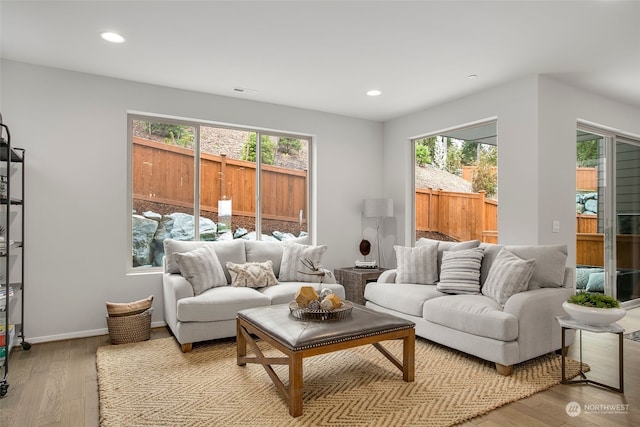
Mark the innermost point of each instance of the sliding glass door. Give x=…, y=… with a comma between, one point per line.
x=608, y=214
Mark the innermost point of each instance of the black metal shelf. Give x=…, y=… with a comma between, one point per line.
x=10, y=158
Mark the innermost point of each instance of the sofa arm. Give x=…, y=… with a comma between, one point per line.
x=388, y=276
x=174, y=288
x=538, y=328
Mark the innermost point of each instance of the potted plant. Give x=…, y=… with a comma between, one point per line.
x=593, y=308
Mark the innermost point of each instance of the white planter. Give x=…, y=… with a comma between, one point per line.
x=593, y=316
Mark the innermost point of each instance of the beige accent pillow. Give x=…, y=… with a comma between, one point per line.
x=252, y=274
x=117, y=309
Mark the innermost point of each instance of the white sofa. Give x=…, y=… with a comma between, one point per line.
x=524, y=328
x=211, y=314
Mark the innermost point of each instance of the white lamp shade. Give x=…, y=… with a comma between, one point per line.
x=378, y=207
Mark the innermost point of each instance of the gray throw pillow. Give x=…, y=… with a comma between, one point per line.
x=201, y=268
x=460, y=271
x=292, y=269
x=252, y=274
x=508, y=276
x=550, y=263
x=417, y=265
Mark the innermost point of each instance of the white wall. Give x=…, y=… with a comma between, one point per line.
x=537, y=119
x=74, y=128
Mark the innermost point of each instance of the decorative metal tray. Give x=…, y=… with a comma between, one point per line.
x=304, y=313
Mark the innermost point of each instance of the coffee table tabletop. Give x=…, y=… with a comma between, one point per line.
x=298, y=339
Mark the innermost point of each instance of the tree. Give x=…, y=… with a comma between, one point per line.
x=422, y=155
x=454, y=163
x=173, y=134
x=485, y=178
x=587, y=153
x=469, y=153
x=249, y=149
x=289, y=145
x=440, y=152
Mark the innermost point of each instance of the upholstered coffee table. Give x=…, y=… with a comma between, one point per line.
x=298, y=339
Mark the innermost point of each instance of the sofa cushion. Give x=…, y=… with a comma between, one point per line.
x=550, y=263
x=417, y=265
x=226, y=250
x=218, y=304
x=509, y=275
x=460, y=271
x=252, y=274
x=201, y=268
x=259, y=251
x=292, y=270
x=403, y=297
x=447, y=246
x=474, y=314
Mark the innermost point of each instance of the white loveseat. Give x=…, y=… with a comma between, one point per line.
x=211, y=314
x=523, y=328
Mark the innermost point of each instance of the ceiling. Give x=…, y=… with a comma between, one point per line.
x=325, y=55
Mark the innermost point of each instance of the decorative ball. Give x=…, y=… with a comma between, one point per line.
x=314, y=305
x=326, y=304
x=332, y=299
x=324, y=293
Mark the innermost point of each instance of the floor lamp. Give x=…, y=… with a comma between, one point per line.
x=378, y=208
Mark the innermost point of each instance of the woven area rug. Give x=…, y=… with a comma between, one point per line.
x=153, y=383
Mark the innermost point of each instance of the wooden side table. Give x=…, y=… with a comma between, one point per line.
x=354, y=281
x=567, y=322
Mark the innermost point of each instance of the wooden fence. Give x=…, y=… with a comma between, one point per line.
x=462, y=216
x=586, y=178
x=165, y=174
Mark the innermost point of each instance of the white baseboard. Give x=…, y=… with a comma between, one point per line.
x=79, y=334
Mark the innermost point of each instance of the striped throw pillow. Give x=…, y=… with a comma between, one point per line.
x=417, y=265
x=460, y=271
x=508, y=276
x=202, y=268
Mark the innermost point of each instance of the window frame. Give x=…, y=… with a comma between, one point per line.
x=196, y=124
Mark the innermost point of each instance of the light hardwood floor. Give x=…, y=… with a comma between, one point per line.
x=55, y=384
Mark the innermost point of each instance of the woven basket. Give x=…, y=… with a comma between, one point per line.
x=127, y=329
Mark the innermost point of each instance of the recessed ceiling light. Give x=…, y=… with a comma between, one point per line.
x=472, y=76
x=374, y=92
x=112, y=37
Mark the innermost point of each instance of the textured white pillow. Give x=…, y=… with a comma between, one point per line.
x=201, y=268
x=252, y=274
x=509, y=275
x=417, y=265
x=292, y=270
x=460, y=271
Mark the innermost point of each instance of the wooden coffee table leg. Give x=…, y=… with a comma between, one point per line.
x=408, y=356
x=295, y=384
x=241, y=345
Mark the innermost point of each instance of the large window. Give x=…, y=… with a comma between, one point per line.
x=232, y=182
x=456, y=184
